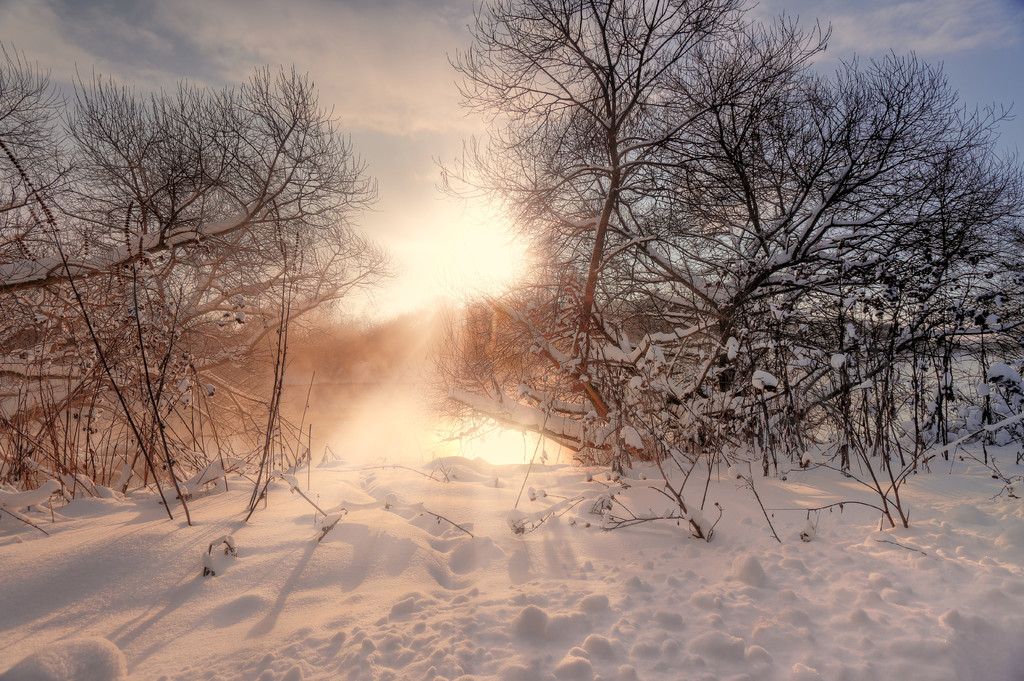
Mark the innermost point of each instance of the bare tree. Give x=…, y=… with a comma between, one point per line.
x=731, y=244
x=157, y=269
x=591, y=102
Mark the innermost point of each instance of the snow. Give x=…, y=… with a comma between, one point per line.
x=762, y=380
x=14, y=501
x=76, y=659
x=732, y=348
x=422, y=578
x=632, y=438
x=1003, y=373
x=748, y=570
x=26, y=273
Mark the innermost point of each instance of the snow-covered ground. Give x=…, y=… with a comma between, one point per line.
x=422, y=578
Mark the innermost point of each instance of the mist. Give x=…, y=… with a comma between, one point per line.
x=364, y=390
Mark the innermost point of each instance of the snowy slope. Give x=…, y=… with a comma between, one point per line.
x=395, y=592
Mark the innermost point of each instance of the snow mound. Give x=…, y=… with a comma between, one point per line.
x=532, y=623
x=1003, y=373
x=594, y=603
x=473, y=554
x=15, y=501
x=748, y=570
x=82, y=659
x=970, y=515
x=801, y=672
x=718, y=644
x=573, y=668
x=599, y=646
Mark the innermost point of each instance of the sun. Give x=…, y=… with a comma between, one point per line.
x=453, y=250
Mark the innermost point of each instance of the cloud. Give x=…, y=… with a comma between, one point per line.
x=381, y=65
x=929, y=27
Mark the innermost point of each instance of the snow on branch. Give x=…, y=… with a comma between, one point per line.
x=27, y=274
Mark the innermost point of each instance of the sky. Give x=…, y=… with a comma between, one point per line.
x=382, y=67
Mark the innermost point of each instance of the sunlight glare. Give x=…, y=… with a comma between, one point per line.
x=453, y=251
x=482, y=256
x=502, y=446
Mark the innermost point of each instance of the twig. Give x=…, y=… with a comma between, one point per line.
x=327, y=528
x=429, y=476
x=619, y=523
x=295, y=488
x=614, y=524
x=23, y=519
x=529, y=468
x=677, y=496
x=561, y=509
x=902, y=546
x=154, y=400
x=273, y=413
x=419, y=508
x=840, y=504
x=452, y=522
x=750, y=484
